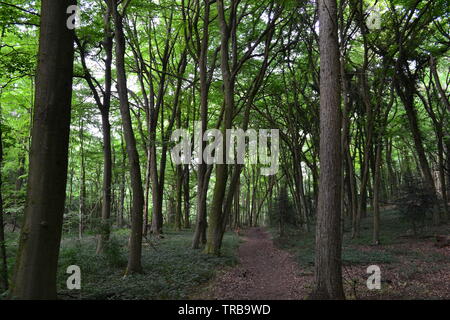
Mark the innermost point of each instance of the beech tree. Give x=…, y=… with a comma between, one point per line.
x=37, y=257
x=134, y=261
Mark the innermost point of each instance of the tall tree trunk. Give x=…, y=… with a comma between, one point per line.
x=441, y=165
x=179, y=197
x=376, y=194
x=134, y=260
x=216, y=217
x=328, y=277
x=186, y=196
x=121, y=204
x=3, y=258
x=82, y=197
x=106, y=131
x=37, y=257
x=441, y=91
x=407, y=96
x=202, y=183
x=146, y=194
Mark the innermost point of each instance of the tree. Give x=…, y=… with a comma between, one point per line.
x=134, y=260
x=104, y=108
x=328, y=277
x=3, y=258
x=37, y=257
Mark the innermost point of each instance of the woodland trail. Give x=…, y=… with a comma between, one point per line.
x=264, y=272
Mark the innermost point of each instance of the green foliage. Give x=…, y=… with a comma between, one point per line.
x=416, y=201
x=172, y=269
x=282, y=212
x=115, y=253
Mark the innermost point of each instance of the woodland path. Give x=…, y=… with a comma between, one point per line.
x=264, y=272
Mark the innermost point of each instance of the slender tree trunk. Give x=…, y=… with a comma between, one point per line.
x=106, y=131
x=441, y=91
x=121, y=204
x=186, y=196
x=390, y=168
x=328, y=277
x=146, y=194
x=134, y=260
x=82, y=197
x=37, y=257
x=3, y=259
x=202, y=183
x=442, y=174
x=179, y=197
x=407, y=96
x=216, y=217
x=376, y=195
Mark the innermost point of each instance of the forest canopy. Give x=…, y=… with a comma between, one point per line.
x=114, y=114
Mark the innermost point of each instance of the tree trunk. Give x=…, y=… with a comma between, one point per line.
x=106, y=131
x=134, y=260
x=328, y=277
x=441, y=91
x=82, y=197
x=216, y=217
x=407, y=96
x=121, y=204
x=202, y=183
x=376, y=192
x=37, y=257
x=3, y=258
x=186, y=196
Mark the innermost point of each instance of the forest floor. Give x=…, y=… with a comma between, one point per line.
x=264, y=272
x=272, y=267
x=412, y=267
x=172, y=269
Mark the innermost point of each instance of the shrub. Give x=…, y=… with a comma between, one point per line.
x=282, y=212
x=415, y=201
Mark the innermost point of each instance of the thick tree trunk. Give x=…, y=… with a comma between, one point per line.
x=328, y=277
x=37, y=257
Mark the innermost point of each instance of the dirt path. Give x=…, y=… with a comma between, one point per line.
x=264, y=272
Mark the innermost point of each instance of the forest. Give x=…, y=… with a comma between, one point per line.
x=224, y=149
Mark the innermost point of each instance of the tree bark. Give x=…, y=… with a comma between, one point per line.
x=202, y=183
x=106, y=131
x=328, y=277
x=37, y=257
x=134, y=260
x=3, y=259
